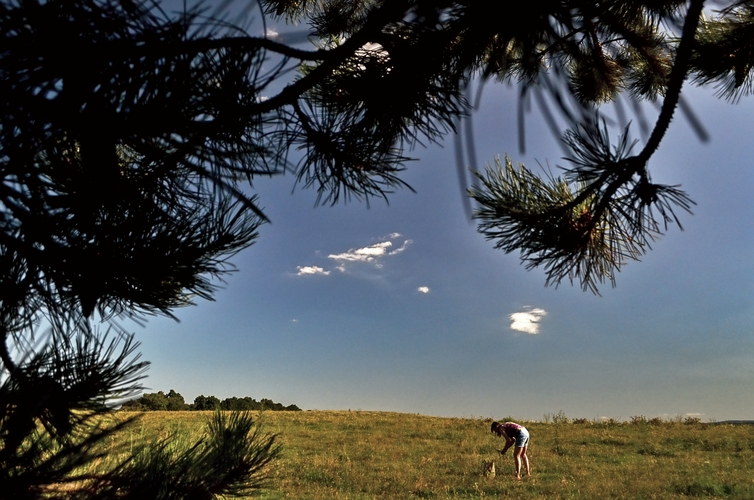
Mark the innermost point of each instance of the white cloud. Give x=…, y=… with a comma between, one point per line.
x=402, y=247
x=372, y=254
x=366, y=254
x=304, y=270
x=423, y=289
x=271, y=33
x=527, y=321
x=377, y=250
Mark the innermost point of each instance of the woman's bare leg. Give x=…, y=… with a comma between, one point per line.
x=517, y=460
x=525, y=460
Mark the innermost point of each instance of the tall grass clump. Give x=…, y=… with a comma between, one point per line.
x=212, y=455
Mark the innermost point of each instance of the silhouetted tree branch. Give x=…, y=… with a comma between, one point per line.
x=130, y=140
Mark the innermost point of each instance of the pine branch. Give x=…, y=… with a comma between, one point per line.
x=675, y=81
x=389, y=12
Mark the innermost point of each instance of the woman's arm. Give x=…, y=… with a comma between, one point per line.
x=508, y=443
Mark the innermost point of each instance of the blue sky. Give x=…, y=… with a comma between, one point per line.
x=405, y=307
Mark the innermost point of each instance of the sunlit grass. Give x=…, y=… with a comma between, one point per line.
x=368, y=455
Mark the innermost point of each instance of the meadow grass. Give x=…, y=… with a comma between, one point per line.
x=379, y=455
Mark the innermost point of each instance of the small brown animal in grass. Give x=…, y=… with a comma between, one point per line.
x=489, y=469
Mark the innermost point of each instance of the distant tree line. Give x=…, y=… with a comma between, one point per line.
x=173, y=401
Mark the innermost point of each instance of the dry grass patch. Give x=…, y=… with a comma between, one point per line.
x=378, y=455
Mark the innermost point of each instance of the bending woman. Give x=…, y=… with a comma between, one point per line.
x=518, y=435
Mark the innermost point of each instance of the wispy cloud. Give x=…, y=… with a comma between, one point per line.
x=307, y=270
x=374, y=255
x=365, y=254
x=423, y=289
x=527, y=321
x=401, y=248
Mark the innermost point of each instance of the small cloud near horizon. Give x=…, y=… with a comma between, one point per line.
x=671, y=416
x=311, y=270
x=527, y=321
x=423, y=289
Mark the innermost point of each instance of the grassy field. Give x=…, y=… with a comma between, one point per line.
x=369, y=455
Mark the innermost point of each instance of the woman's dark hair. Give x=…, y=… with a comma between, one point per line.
x=495, y=428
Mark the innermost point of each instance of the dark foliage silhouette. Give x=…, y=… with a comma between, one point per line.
x=131, y=138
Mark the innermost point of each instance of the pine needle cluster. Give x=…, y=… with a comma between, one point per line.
x=605, y=210
x=584, y=225
x=725, y=51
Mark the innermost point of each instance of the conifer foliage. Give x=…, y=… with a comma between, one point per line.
x=131, y=137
